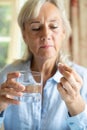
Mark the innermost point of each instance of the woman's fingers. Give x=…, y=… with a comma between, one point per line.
x=61, y=89
x=70, y=75
x=10, y=89
x=73, y=72
x=69, y=88
x=70, y=84
x=13, y=75
x=13, y=84
x=66, y=86
x=7, y=100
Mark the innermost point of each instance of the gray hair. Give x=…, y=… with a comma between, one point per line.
x=31, y=9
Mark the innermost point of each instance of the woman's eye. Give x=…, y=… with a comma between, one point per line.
x=54, y=27
x=36, y=29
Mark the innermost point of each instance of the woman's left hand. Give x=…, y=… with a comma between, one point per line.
x=69, y=88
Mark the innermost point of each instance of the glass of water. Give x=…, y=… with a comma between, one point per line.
x=31, y=101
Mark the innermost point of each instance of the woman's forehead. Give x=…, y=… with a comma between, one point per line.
x=48, y=9
x=48, y=12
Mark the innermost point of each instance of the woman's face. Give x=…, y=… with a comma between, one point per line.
x=44, y=34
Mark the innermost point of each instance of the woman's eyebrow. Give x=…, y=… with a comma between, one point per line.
x=32, y=22
x=37, y=21
x=54, y=20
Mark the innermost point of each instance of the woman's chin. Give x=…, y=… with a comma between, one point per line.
x=47, y=57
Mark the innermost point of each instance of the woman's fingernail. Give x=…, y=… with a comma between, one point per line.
x=60, y=64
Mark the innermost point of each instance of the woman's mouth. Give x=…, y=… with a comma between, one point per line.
x=46, y=46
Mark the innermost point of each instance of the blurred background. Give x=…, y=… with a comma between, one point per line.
x=11, y=43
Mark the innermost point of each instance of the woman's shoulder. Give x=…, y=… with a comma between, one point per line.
x=15, y=66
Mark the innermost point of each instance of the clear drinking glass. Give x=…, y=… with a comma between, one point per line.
x=30, y=102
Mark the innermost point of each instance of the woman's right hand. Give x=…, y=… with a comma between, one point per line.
x=9, y=89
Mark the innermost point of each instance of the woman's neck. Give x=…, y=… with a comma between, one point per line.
x=47, y=67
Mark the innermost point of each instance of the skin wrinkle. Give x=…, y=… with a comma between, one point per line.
x=45, y=40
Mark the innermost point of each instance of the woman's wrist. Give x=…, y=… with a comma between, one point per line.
x=3, y=106
x=1, y=113
x=76, y=107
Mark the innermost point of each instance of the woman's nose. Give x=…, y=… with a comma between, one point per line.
x=46, y=33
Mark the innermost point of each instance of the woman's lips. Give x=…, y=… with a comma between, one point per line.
x=46, y=46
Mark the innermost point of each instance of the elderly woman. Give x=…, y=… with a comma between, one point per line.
x=45, y=28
